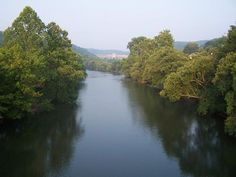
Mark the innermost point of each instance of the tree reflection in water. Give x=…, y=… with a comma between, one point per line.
x=40, y=146
x=199, y=144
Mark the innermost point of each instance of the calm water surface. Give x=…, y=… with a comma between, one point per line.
x=117, y=129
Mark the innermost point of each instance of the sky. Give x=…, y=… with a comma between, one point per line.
x=111, y=24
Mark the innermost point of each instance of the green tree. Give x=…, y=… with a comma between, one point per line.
x=193, y=80
x=208, y=76
x=164, y=39
x=1, y=38
x=27, y=31
x=191, y=47
x=230, y=45
x=225, y=80
x=24, y=61
x=134, y=45
x=37, y=67
x=65, y=68
x=215, y=47
x=150, y=60
x=160, y=64
x=140, y=50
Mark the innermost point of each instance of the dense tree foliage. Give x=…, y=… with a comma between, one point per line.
x=162, y=62
x=65, y=66
x=151, y=60
x=225, y=80
x=190, y=79
x=1, y=38
x=37, y=67
x=105, y=65
x=207, y=75
x=180, y=45
x=230, y=44
x=191, y=47
x=164, y=39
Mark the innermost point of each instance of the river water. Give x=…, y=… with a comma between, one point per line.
x=117, y=129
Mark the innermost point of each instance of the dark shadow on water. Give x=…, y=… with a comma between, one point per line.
x=40, y=146
x=198, y=144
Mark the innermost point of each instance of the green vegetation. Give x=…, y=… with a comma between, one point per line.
x=191, y=47
x=37, y=67
x=207, y=75
x=92, y=62
x=1, y=38
x=181, y=44
x=105, y=65
x=83, y=52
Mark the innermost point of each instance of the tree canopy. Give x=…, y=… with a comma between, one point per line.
x=207, y=76
x=37, y=66
x=191, y=47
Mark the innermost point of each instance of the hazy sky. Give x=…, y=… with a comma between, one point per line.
x=110, y=24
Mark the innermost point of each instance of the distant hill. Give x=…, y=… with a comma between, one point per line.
x=178, y=45
x=82, y=51
x=217, y=42
x=103, y=52
x=181, y=44
x=1, y=37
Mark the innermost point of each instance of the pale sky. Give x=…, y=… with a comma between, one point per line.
x=110, y=24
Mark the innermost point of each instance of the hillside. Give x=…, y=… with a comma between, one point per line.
x=178, y=45
x=181, y=44
x=82, y=51
x=98, y=52
x=1, y=37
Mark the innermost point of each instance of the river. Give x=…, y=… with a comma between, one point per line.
x=118, y=128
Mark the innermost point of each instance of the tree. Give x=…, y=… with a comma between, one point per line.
x=37, y=67
x=225, y=80
x=208, y=76
x=218, y=42
x=164, y=39
x=230, y=45
x=139, y=65
x=65, y=67
x=134, y=45
x=141, y=49
x=215, y=47
x=191, y=47
x=24, y=61
x=27, y=31
x=160, y=64
x=1, y=38
x=193, y=80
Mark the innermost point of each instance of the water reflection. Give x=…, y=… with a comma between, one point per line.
x=130, y=131
x=199, y=145
x=42, y=146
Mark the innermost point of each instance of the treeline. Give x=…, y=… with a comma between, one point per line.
x=207, y=75
x=105, y=65
x=37, y=67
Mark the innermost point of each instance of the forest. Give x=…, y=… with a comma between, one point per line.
x=38, y=67
x=105, y=65
x=206, y=75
